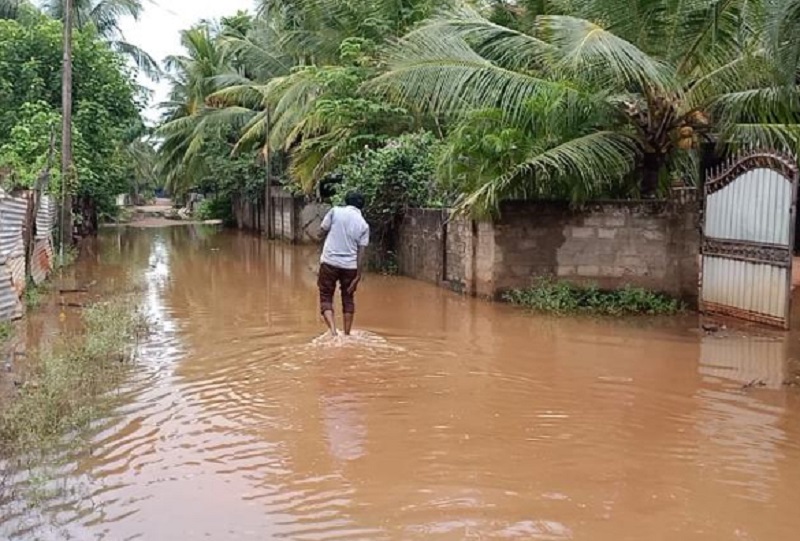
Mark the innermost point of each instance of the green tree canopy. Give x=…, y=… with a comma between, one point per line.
x=105, y=105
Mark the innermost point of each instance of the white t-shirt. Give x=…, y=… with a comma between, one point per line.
x=347, y=231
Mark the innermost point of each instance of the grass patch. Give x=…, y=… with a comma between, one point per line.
x=63, y=388
x=70, y=256
x=548, y=295
x=6, y=332
x=34, y=294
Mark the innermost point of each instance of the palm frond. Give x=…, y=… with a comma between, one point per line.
x=781, y=137
x=583, y=162
x=782, y=28
x=587, y=51
x=140, y=57
x=504, y=46
x=441, y=74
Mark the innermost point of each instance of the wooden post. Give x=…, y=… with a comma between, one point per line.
x=66, y=130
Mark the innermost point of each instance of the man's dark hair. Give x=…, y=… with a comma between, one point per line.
x=354, y=199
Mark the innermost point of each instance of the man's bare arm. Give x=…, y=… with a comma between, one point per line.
x=361, y=262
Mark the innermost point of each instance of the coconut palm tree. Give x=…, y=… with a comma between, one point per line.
x=299, y=90
x=658, y=77
x=193, y=78
x=105, y=16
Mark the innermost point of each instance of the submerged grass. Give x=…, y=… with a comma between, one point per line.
x=63, y=387
x=62, y=261
x=548, y=295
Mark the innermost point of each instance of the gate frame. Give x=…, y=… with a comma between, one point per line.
x=718, y=178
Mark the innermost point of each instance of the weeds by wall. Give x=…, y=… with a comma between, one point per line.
x=553, y=296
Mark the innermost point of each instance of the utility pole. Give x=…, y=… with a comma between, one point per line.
x=66, y=130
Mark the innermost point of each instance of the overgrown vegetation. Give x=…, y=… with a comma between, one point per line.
x=6, y=332
x=394, y=178
x=65, y=259
x=63, y=388
x=527, y=99
x=35, y=294
x=110, y=144
x=216, y=208
x=559, y=297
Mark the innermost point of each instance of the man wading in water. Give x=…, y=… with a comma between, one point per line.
x=342, y=259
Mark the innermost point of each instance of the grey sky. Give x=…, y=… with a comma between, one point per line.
x=158, y=31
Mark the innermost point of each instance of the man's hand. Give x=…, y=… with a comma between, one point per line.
x=354, y=284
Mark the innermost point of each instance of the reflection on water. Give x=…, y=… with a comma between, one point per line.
x=444, y=418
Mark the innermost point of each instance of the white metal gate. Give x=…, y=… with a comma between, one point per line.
x=748, y=238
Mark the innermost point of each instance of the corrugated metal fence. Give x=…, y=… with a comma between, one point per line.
x=13, y=225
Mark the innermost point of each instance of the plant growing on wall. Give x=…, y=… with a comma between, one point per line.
x=395, y=177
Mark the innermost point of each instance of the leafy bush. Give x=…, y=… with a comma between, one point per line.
x=34, y=294
x=393, y=178
x=547, y=295
x=218, y=208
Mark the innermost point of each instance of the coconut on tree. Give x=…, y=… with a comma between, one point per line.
x=608, y=89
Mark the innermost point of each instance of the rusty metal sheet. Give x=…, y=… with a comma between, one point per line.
x=42, y=261
x=748, y=238
x=13, y=211
x=16, y=265
x=10, y=305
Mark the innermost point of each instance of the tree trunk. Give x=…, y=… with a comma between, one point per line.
x=88, y=213
x=651, y=167
x=268, y=183
x=66, y=129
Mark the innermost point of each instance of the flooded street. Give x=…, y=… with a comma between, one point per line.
x=447, y=418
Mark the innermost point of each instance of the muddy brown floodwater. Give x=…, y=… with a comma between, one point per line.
x=446, y=419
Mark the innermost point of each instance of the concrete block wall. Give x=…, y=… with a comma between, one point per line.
x=293, y=220
x=646, y=244
x=421, y=249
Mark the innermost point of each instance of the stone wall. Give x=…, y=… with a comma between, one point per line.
x=421, y=245
x=648, y=244
x=458, y=268
x=293, y=219
x=309, y=224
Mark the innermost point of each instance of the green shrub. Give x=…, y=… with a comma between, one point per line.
x=34, y=295
x=548, y=295
x=218, y=208
x=398, y=176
